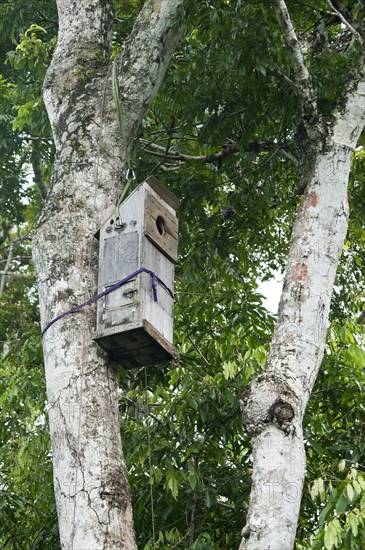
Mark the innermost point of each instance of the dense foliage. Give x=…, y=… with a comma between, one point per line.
x=222, y=135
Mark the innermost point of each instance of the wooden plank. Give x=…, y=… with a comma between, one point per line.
x=163, y=191
x=157, y=337
x=161, y=227
x=119, y=257
x=157, y=208
x=160, y=313
x=151, y=347
x=133, y=340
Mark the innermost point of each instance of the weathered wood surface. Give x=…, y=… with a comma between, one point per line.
x=143, y=233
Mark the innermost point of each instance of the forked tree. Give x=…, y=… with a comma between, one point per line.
x=91, y=168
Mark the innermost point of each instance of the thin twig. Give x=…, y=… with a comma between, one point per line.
x=7, y=265
x=198, y=350
x=194, y=512
x=281, y=76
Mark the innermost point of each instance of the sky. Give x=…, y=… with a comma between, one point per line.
x=272, y=290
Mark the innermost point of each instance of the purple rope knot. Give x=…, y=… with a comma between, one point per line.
x=154, y=285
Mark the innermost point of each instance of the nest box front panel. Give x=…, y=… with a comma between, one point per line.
x=120, y=256
x=161, y=226
x=159, y=314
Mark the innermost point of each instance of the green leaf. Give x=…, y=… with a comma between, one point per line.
x=230, y=369
x=341, y=465
x=332, y=534
x=174, y=376
x=353, y=523
x=350, y=491
x=173, y=485
x=192, y=479
x=328, y=508
x=342, y=503
x=317, y=488
x=357, y=354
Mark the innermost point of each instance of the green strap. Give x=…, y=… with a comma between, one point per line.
x=130, y=178
x=118, y=104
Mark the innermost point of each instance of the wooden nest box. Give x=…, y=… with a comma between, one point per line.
x=135, y=320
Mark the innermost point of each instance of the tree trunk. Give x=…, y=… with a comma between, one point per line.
x=273, y=405
x=91, y=487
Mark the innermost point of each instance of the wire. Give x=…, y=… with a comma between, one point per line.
x=150, y=461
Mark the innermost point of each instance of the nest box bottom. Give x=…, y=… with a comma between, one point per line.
x=136, y=346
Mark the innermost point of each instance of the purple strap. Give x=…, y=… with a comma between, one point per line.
x=154, y=281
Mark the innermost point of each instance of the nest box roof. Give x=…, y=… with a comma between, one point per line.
x=161, y=190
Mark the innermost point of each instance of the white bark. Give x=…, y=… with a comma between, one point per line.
x=273, y=405
x=91, y=487
x=302, y=77
x=4, y=273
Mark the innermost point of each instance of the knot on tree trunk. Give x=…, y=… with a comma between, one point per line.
x=116, y=490
x=282, y=412
x=268, y=399
x=246, y=532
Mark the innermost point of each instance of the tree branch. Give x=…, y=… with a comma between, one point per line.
x=7, y=265
x=37, y=138
x=22, y=159
x=281, y=76
x=361, y=318
x=346, y=17
x=176, y=156
x=12, y=275
x=81, y=54
x=145, y=57
x=194, y=512
x=256, y=146
x=302, y=78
